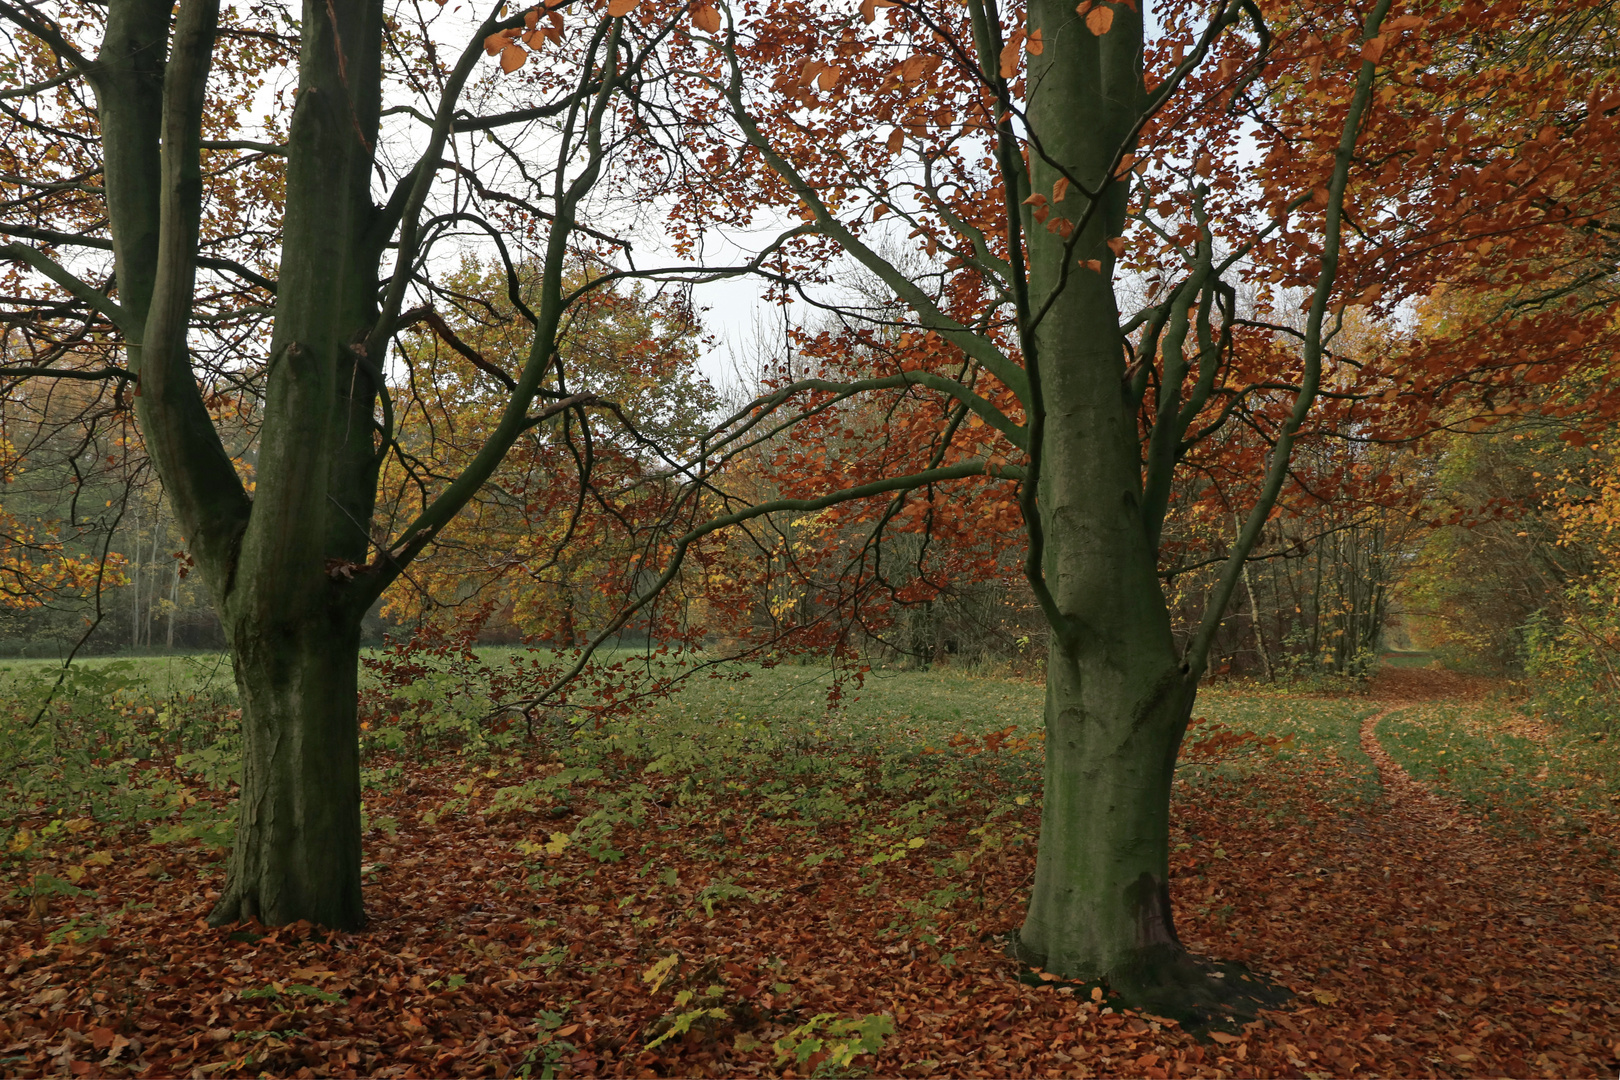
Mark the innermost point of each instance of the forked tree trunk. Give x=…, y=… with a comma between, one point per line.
x=297, y=852
x=1117, y=696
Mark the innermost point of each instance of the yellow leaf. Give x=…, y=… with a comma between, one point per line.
x=75, y=874
x=654, y=976
x=617, y=8
x=706, y=19
x=1099, y=20
x=513, y=57
x=1325, y=997
x=100, y=858
x=559, y=840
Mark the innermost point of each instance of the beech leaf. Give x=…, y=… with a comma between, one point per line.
x=1034, y=44
x=706, y=19
x=1060, y=188
x=829, y=77
x=1099, y=20
x=513, y=57
x=1009, y=55
x=495, y=43
x=1116, y=244
x=618, y=8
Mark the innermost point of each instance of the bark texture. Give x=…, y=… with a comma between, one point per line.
x=1117, y=696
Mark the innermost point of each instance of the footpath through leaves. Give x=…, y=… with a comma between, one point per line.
x=825, y=895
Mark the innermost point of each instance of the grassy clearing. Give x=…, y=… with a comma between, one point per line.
x=1520, y=776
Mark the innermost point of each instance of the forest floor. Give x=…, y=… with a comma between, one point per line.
x=802, y=893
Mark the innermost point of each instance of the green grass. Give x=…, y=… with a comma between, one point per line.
x=1478, y=753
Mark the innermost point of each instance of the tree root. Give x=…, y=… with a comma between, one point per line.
x=1200, y=994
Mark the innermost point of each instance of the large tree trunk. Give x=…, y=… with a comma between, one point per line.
x=1117, y=696
x=297, y=853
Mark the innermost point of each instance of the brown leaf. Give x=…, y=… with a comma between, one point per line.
x=617, y=8
x=1034, y=44
x=1373, y=50
x=1225, y=1038
x=1060, y=188
x=513, y=57
x=829, y=77
x=706, y=19
x=1009, y=54
x=1100, y=19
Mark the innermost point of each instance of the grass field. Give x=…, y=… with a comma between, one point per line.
x=736, y=879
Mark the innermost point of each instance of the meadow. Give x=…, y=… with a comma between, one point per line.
x=774, y=871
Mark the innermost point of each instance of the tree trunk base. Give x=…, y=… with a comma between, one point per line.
x=1166, y=980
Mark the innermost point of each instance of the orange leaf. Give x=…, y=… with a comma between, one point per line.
x=706, y=19
x=1035, y=45
x=530, y=18
x=1060, y=188
x=534, y=38
x=1225, y=1038
x=868, y=10
x=829, y=77
x=1009, y=54
x=617, y=8
x=513, y=57
x=1116, y=244
x=495, y=43
x=897, y=139
x=1373, y=50
x=1036, y=199
x=1099, y=20
x=879, y=210
x=1094, y=265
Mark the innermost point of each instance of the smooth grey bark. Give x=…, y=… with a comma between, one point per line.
x=1117, y=692
x=287, y=564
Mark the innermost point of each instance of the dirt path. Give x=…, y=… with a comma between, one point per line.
x=1499, y=946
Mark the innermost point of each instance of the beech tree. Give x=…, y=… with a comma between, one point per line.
x=1040, y=166
x=268, y=269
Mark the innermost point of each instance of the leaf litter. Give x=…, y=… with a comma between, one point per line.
x=515, y=938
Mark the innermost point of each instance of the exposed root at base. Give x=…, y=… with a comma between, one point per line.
x=1200, y=994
